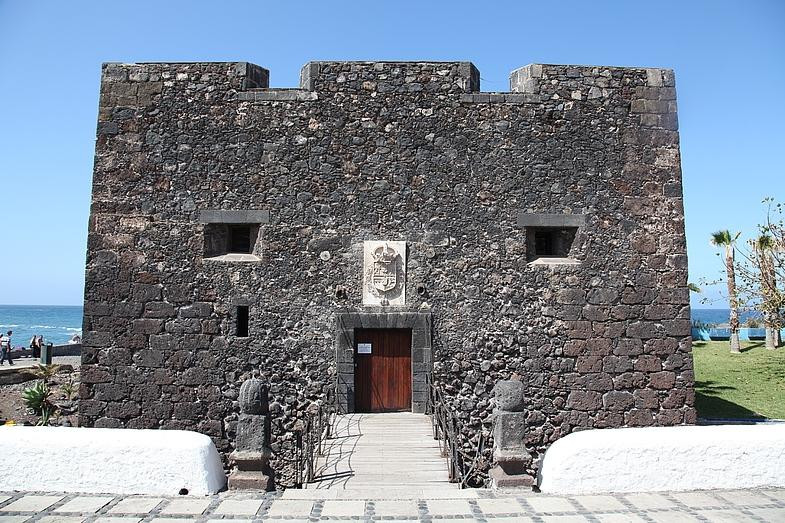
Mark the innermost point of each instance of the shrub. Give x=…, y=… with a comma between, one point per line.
x=46, y=372
x=69, y=388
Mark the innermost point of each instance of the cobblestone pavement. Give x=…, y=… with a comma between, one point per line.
x=398, y=505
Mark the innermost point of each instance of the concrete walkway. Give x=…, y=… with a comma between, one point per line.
x=380, y=451
x=399, y=504
x=29, y=363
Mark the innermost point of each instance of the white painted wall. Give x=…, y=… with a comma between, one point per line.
x=111, y=461
x=666, y=458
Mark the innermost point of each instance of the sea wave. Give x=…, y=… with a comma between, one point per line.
x=56, y=324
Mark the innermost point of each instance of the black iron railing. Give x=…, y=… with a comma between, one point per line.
x=310, y=437
x=464, y=459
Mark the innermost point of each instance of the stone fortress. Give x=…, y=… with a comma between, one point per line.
x=238, y=230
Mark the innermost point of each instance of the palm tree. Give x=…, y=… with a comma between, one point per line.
x=726, y=239
x=763, y=246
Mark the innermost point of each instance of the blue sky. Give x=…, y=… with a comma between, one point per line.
x=729, y=59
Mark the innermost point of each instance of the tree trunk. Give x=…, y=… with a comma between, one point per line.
x=773, y=337
x=733, y=300
x=771, y=343
x=768, y=285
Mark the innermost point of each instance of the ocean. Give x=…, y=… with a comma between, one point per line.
x=720, y=316
x=56, y=323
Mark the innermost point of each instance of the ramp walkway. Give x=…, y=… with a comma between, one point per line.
x=371, y=451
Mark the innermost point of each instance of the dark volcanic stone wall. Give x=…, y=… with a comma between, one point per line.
x=386, y=151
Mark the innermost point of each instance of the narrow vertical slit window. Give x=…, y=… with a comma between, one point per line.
x=242, y=321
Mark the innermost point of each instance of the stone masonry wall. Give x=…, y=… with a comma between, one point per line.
x=396, y=151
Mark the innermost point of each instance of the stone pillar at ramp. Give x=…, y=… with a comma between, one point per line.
x=251, y=457
x=509, y=450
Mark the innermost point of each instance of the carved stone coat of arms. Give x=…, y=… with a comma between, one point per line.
x=384, y=273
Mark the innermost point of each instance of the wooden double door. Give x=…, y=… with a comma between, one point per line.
x=382, y=370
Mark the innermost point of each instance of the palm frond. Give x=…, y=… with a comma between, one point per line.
x=764, y=242
x=722, y=238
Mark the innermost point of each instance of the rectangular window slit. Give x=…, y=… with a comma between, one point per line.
x=549, y=242
x=242, y=321
x=232, y=239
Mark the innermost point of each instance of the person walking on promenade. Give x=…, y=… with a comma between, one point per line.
x=39, y=346
x=5, y=348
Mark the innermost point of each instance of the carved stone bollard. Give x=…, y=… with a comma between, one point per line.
x=509, y=449
x=251, y=457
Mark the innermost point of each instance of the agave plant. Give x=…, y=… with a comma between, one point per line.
x=37, y=398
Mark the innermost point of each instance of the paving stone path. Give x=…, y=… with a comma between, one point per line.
x=382, y=450
x=401, y=504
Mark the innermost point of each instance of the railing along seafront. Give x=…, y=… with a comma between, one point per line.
x=314, y=429
x=463, y=466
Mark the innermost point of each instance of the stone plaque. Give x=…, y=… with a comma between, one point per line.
x=384, y=273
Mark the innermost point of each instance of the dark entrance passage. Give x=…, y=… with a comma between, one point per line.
x=383, y=370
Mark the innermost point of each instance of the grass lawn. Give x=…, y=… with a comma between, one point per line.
x=746, y=385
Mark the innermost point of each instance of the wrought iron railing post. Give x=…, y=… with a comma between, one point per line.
x=298, y=453
x=314, y=428
x=308, y=451
x=319, y=431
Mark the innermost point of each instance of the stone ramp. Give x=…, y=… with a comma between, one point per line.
x=390, y=450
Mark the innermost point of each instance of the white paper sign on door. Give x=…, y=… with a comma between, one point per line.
x=364, y=348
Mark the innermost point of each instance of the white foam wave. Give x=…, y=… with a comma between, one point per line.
x=9, y=325
x=43, y=327
x=72, y=329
